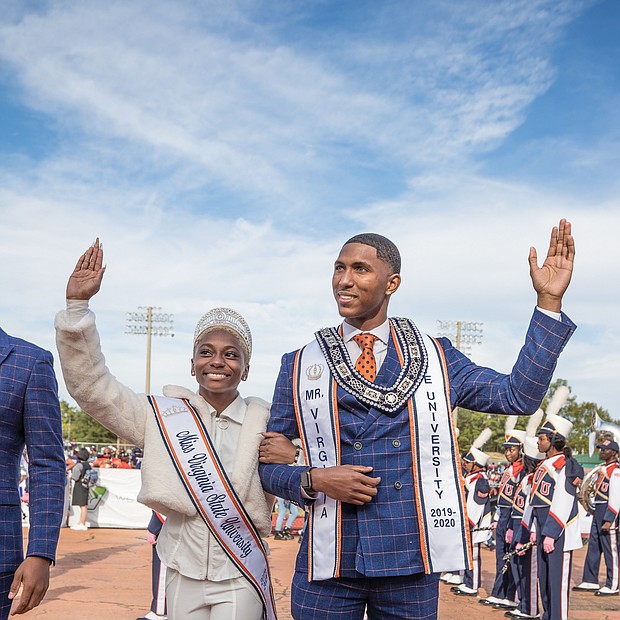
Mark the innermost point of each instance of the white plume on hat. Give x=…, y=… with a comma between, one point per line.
x=533, y=423
x=553, y=422
x=511, y=422
x=509, y=429
x=481, y=457
x=484, y=436
x=556, y=402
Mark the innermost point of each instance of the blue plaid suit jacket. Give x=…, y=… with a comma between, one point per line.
x=381, y=538
x=29, y=415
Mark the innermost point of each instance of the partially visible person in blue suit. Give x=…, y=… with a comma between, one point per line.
x=30, y=416
x=372, y=400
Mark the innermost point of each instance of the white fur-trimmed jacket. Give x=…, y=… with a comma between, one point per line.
x=130, y=416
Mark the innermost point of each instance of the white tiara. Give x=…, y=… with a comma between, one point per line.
x=225, y=318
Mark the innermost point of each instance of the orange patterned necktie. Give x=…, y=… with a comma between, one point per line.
x=366, y=364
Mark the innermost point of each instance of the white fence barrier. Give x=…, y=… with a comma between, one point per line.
x=117, y=507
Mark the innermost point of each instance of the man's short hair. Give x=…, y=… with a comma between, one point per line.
x=386, y=249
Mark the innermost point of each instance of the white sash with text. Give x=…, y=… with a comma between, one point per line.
x=436, y=461
x=318, y=423
x=444, y=537
x=215, y=499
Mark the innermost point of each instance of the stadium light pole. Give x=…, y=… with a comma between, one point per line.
x=149, y=323
x=463, y=334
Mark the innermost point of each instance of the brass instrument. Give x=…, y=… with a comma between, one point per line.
x=587, y=489
x=601, y=430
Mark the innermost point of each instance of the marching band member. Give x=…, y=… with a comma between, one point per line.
x=478, y=502
x=524, y=565
x=554, y=506
x=604, y=533
x=504, y=588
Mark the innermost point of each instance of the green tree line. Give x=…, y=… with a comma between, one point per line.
x=79, y=427
x=471, y=423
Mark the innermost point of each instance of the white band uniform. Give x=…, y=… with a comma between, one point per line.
x=444, y=537
x=207, y=484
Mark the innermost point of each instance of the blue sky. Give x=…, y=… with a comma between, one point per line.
x=223, y=151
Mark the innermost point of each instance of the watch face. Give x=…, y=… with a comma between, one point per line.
x=306, y=481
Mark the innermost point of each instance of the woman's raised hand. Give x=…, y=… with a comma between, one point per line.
x=85, y=281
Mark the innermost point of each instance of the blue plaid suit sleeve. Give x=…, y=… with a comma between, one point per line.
x=283, y=480
x=520, y=392
x=471, y=386
x=29, y=416
x=43, y=434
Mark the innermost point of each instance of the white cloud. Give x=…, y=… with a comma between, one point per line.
x=471, y=266
x=223, y=163
x=178, y=84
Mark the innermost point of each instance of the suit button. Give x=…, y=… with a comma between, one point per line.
x=396, y=443
x=398, y=485
x=357, y=445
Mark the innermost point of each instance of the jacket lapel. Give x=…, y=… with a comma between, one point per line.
x=390, y=369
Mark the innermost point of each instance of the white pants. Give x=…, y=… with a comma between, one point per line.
x=192, y=599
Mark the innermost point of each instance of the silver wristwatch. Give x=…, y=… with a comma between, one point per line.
x=306, y=480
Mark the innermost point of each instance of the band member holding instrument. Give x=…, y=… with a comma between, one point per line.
x=504, y=587
x=604, y=531
x=477, y=497
x=524, y=565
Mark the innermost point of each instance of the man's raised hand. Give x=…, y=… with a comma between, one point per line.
x=552, y=279
x=85, y=281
